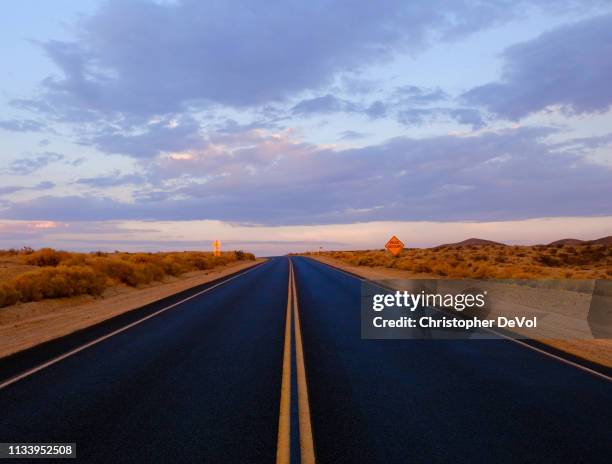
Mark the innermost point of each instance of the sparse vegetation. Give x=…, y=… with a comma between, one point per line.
x=559, y=261
x=29, y=275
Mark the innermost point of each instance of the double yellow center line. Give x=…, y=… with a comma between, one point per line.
x=283, y=450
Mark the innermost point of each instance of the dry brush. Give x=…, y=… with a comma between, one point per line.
x=57, y=274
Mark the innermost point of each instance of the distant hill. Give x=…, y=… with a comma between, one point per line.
x=564, y=241
x=602, y=241
x=473, y=242
x=567, y=241
x=574, y=241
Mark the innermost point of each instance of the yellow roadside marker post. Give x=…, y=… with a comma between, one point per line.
x=216, y=248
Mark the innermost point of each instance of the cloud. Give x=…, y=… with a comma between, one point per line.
x=46, y=185
x=161, y=82
x=147, y=58
x=329, y=104
x=10, y=189
x=588, y=144
x=409, y=105
x=231, y=126
x=416, y=116
x=377, y=109
x=273, y=179
x=352, y=135
x=325, y=104
x=355, y=85
x=23, y=233
x=22, y=125
x=167, y=135
x=25, y=166
x=113, y=180
x=469, y=116
x=411, y=94
x=569, y=67
x=419, y=116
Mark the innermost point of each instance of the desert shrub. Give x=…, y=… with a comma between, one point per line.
x=482, y=271
x=8, y=295
x=404, y=263
x=61, y=281
x=563, y=256
x=453, y=263
x=421, y=267
x=441, y=269
x=9, y=252
x=203, y=262
x=548, y=260
x=225, y=258
x=174, y=266
x=130, y=273
x=76, y=259
x=46, y=257
x=241, y=255
x=144, y=273
x=140, y=258
x=115, y=269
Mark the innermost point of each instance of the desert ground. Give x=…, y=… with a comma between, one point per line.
x=483, y=259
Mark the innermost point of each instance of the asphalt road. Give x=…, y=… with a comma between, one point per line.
x=439, y=400
x=197, y=383
x=203, y=382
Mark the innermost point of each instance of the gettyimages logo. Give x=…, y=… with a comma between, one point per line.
x=412, y=301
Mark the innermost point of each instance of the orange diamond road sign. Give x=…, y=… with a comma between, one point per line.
x=394, y=245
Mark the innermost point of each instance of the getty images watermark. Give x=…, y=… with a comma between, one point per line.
x=445, y=308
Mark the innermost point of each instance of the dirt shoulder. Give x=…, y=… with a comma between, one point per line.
x=25, y=325
x=374, y=272
x=597, y=351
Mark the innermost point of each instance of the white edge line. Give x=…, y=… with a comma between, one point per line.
x=517, y=341
x=59, y=358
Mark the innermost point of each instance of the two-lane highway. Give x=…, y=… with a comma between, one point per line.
x=269, y=366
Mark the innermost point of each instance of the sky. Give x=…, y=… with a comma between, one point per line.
x=289, y=125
